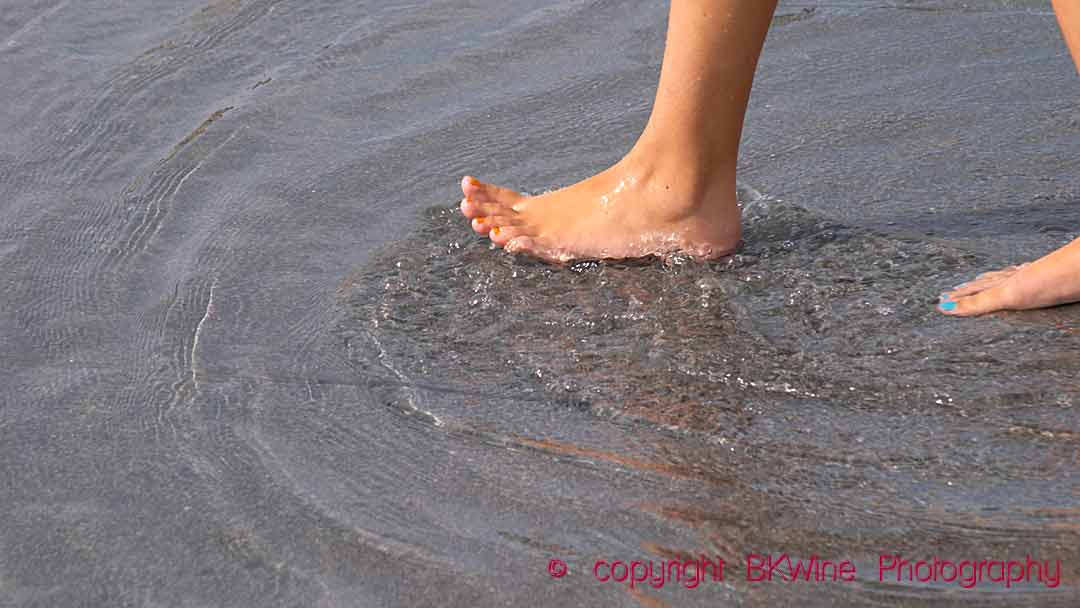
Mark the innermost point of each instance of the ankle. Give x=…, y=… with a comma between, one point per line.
x=684, y=180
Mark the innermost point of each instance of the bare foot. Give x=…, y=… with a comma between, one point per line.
x=634, y=209
x=1049, y=281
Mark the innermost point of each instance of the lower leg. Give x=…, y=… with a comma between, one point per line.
x=1068, y=14
x=675, y=190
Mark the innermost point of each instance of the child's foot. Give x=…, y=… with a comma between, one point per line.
x=1050, y=281
x=631, y=210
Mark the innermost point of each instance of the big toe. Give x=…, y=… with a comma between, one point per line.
x=482, y=192
x=985, y=301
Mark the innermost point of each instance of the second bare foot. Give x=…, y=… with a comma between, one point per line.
x=1049, y=281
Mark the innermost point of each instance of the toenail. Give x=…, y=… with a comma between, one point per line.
x=481, y=220
x=495, y=231
x=947, y=306
x=473, y=181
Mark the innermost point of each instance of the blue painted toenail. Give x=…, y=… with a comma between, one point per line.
x=947, y=306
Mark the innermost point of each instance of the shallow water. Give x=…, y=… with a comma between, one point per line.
x=254, y=357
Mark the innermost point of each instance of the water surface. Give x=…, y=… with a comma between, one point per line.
x=255, y=358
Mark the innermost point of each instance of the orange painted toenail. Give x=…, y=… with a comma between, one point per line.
x=474, y=181
x=481, y=220
x=495, y=231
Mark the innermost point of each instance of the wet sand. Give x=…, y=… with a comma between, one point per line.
x=255, y=358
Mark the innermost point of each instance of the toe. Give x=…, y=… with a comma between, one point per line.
x=473, y=209
x=482, y=192
x=985, y=301
x=481, y=225
x=986, y=280
x=485, y=223
x=501, y=235
x=974, y=287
